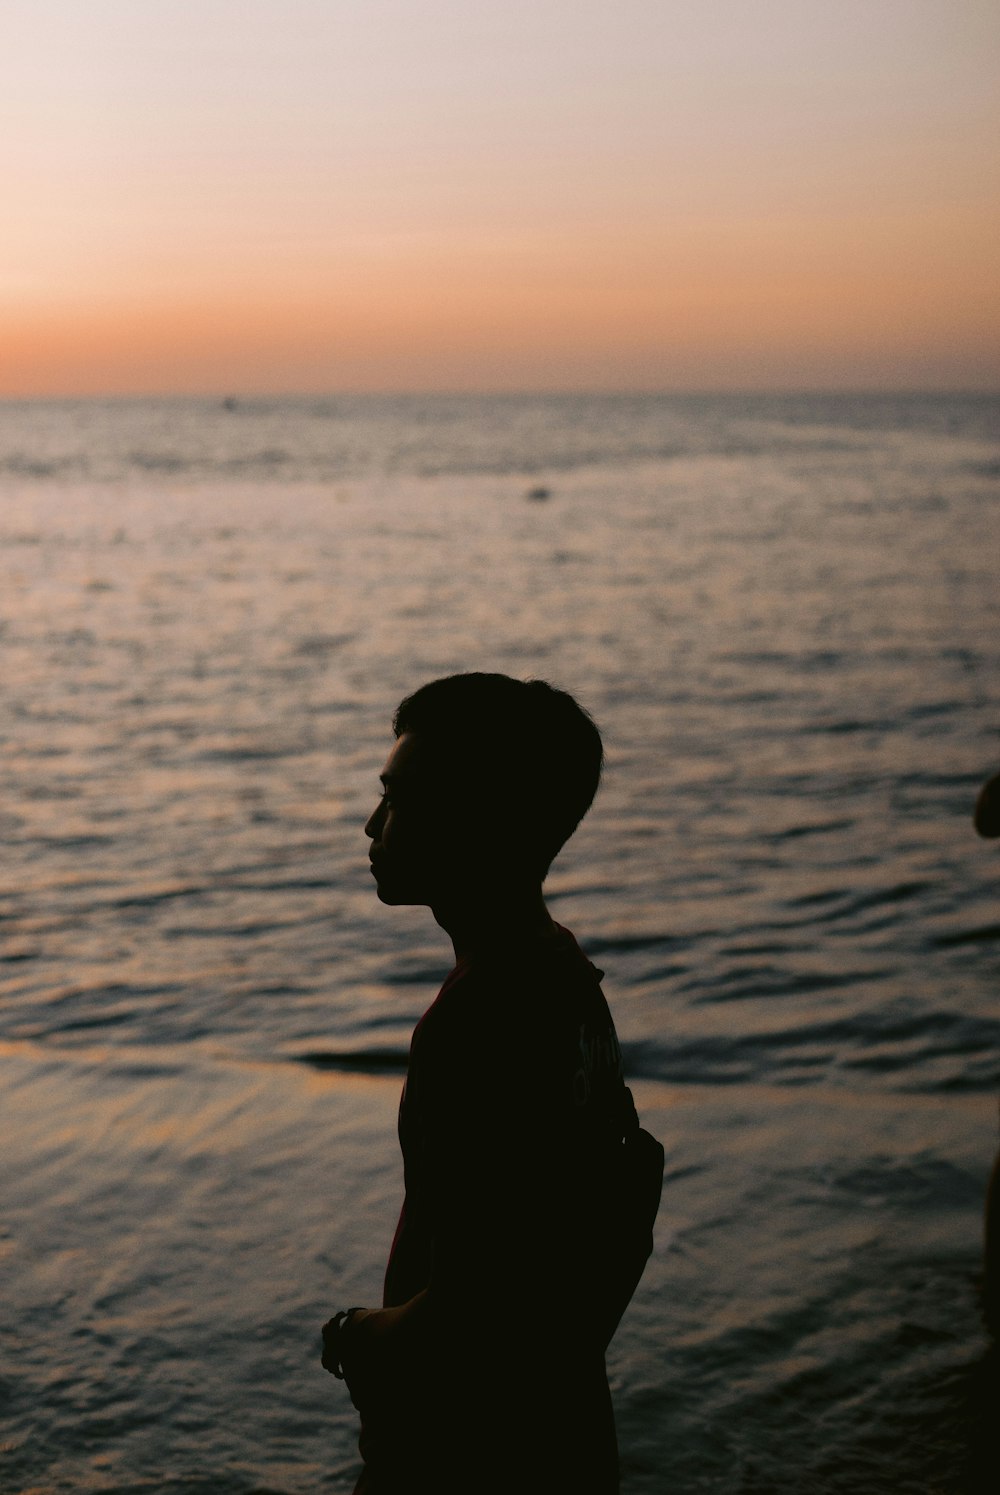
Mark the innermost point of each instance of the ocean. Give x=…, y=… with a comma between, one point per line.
x=784, y=614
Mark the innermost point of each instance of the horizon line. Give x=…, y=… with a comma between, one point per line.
x=224, y=393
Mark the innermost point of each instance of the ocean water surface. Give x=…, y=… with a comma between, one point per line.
x=784, y=614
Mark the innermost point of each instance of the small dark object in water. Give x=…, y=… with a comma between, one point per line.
x=539, y=493
x=987, y=812
x=229, y=403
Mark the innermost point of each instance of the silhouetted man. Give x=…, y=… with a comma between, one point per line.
x=519, y=1241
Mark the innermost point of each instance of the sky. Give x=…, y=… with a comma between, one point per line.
x=317, y=195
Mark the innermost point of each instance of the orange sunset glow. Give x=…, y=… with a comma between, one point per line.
x=388, y=196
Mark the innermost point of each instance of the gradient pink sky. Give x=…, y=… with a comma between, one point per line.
x=206, y=195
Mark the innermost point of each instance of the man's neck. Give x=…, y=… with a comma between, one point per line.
x=506, y=918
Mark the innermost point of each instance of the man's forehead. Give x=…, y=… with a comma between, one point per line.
x=407, y=761
x=418, y=763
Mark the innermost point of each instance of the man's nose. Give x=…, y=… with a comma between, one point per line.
x=374, y=823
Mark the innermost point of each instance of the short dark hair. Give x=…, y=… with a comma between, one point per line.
x=542, y=750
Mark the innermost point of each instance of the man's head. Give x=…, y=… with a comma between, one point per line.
x=488, y=778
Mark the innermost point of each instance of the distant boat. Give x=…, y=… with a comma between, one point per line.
x=229, y=403
x=539, y=493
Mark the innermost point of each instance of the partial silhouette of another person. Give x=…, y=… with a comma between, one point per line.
x=530, y=1190
x=986, y=818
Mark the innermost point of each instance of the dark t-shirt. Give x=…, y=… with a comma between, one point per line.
x=513, y=1097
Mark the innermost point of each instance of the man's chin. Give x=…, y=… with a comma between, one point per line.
x=396, y=897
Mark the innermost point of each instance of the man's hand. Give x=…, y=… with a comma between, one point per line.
x=363, y=1332
x=341, y=1357
x=331, y=1333
x=374, y=1350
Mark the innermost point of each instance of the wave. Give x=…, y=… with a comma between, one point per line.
x=982, y=934
x=364, y=1061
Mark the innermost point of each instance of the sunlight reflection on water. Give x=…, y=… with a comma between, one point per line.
x=784, y=628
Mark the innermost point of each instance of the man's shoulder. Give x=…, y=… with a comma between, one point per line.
x=520, y=971
x=541, y=998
